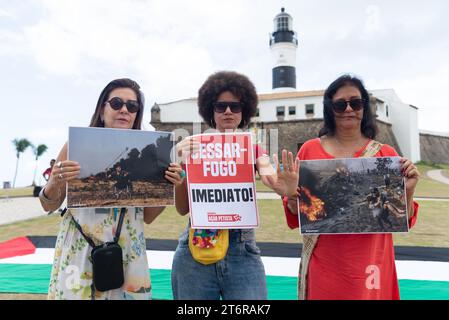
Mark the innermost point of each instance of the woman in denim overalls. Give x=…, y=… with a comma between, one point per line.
x=227, y=101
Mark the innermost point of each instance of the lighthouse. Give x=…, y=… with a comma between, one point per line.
x=283, y=44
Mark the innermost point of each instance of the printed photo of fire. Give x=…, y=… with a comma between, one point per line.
x=350, y=196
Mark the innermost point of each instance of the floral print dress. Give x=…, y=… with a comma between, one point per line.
x=71, y=275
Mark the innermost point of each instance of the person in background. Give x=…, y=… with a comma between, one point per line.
x=46, y=174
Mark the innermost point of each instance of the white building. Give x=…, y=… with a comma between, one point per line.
x=404, y=120
x=287, y=104
x=302, y=105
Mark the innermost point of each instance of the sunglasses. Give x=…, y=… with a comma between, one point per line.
x=221, y=106
x=340, y=106
x=117, y=103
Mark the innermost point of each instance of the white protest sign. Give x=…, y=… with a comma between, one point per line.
x=220, y=176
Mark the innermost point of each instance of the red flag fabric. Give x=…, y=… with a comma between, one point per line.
x=16, y=247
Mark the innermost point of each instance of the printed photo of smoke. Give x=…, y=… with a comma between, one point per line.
x=120, y=168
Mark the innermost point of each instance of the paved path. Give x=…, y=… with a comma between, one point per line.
x=16, y=209
x=438, y=176
x=268, y=195
x=432, y=199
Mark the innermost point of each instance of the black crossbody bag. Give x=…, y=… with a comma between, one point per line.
x=107, y=260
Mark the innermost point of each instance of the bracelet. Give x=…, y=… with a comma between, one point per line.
x=294, y=197
x=46, y=200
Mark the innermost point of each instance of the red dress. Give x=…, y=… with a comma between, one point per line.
x=350, y=267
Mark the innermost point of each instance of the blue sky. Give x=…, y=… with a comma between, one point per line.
x=57, y=55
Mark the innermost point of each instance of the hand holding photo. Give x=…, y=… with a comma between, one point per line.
x=120, y=168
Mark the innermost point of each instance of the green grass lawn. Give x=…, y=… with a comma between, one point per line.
x=17, y=192
x=22, y=296
x=430, y=188
x=430, y=230
x=426, y=187
x=260, y=187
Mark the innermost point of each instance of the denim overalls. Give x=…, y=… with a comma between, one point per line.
x=239, y=276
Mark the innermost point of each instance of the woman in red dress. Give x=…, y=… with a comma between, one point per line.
x=360, y=266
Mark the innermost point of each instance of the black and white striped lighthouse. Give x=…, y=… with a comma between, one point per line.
x=283, y=44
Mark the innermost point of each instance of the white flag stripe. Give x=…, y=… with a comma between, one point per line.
x=423, y=270
x=274, y=266
x=280, y=266
x=40, y=256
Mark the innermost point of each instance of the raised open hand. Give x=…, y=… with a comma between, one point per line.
x=285, y=181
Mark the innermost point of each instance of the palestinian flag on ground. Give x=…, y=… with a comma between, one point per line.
x=25, y=265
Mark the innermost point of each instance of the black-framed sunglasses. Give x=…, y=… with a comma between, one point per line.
x=340, y=106
x=117, y=103
x=221, y=106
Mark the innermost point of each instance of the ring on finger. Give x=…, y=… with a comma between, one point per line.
x=61, y=176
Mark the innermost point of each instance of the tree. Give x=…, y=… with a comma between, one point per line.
x=21, y=145
x=383, y=165
x=38, y=151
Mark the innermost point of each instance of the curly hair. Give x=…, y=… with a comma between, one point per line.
x=219, y=82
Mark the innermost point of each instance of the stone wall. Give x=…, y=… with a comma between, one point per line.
x=291, y=134
x=386, y=135
x=175, y=126
x=434, y=149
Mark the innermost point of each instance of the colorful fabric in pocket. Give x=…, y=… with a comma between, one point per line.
x=205, y=238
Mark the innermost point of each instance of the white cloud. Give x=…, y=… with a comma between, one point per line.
x=150, y=37
x=53, y=50
x=58, y=55
x=48, y=133
x=5, y=14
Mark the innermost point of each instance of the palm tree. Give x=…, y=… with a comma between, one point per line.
x=38, y=151
x=21, y=145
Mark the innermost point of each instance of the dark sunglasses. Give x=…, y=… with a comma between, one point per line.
x=117, y=103
x=340, y=106
x=221, y=106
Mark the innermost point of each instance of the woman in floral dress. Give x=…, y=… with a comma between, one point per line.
x=120, y=106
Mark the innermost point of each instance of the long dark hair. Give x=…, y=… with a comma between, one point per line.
x=114, y=84
x=368, y=125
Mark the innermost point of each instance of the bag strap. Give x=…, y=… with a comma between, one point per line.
x=371, y=149
x=117, y=233
x=119, y=224
x=92, y=243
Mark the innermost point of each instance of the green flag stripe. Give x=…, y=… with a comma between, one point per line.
x=34, y=278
